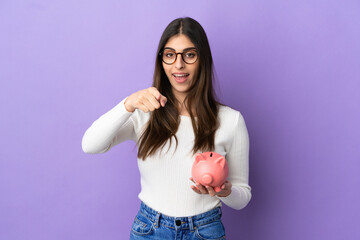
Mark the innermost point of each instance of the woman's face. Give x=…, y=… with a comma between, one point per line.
x=175, y=72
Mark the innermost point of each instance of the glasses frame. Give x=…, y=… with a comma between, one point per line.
x=181, y=53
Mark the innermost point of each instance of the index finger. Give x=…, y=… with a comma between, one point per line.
x=158, y=96
x=192, y=179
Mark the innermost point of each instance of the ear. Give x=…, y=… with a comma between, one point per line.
x=221, y=161
x=199, y=157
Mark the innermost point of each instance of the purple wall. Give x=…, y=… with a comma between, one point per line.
x=291, y=68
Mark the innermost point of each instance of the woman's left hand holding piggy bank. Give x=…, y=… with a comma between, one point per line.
x=201, y=189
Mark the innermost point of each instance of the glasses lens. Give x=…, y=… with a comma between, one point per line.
x=168, y=56
x=190, y=56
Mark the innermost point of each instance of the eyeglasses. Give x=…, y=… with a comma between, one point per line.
x=189, y=55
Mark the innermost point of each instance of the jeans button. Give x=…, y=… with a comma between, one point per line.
x=178, y=222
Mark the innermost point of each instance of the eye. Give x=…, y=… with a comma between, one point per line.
x=169, y=54
x=190, y=54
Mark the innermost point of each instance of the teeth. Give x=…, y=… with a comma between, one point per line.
x=180, y=75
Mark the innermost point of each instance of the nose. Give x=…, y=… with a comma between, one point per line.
x=179, y=63
x=207, y=179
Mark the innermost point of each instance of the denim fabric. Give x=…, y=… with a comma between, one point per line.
x=150, y=224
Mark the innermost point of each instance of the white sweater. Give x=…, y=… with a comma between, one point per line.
x=165, y=184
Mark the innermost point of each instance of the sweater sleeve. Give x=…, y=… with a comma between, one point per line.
x=110, y=129
x=238, y=161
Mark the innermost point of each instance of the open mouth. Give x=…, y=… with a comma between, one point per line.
x=180, y=78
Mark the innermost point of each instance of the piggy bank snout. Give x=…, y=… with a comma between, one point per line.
x=207, y=179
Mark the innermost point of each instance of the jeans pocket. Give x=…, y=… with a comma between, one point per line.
x=142, y=225
x=211, y=231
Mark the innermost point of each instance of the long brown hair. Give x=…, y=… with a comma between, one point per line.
x=164, y=122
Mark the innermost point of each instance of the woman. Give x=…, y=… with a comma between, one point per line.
x=171, y=121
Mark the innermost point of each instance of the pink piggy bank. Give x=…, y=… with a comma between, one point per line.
x=210, y=169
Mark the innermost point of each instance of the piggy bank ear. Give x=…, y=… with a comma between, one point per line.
x=199, y=157
x=220, y=161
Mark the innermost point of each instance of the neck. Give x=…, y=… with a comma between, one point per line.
x=180, y=97
x=183, y=111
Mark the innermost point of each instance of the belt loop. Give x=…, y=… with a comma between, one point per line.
x=191, y=224
x=220, y=211
x=157, y=220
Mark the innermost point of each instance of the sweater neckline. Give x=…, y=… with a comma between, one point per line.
x=184, y=116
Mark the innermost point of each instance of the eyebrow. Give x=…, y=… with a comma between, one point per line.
x=183, y=49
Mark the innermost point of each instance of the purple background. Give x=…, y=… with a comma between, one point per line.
x=291, y=68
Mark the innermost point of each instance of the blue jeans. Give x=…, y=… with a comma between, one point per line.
x=150, y=224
